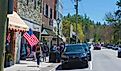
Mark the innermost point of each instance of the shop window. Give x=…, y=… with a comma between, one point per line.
x=54, y=14
x=43, y=9
x=46, y=12
x=50, y=13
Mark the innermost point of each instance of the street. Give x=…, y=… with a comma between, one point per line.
x=102, y=60
x=53, y=35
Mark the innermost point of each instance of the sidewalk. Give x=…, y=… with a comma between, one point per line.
x=32, y=66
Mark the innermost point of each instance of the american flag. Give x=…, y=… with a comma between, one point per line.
x=31, y=38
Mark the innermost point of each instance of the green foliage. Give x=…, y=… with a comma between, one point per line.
x=9, y=57
x=85, y=27
x=88, y=29
x=115, y=22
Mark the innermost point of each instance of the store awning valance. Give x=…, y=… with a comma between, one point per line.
x=15, y=22
x=47, y=32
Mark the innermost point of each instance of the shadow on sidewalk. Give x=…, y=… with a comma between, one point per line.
x=23, y=63
x=32, y=66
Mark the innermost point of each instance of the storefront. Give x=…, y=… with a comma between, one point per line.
x=16, y=27
x=62, y=39
x=47, y=36
x=26, y=49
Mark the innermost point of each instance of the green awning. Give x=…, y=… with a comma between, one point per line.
x=48, y=32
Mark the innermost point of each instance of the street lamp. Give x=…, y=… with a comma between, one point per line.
x=58, y=22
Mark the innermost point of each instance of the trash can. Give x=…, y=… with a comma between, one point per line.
x=52, y=57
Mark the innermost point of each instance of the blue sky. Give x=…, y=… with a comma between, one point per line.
x=95, y=9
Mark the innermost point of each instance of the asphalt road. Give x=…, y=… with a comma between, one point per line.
x=102, y=60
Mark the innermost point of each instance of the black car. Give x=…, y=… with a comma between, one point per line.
x=74, y=56
x=87, y=47
x=110, y=46
x=119, y=52
x=115, y=47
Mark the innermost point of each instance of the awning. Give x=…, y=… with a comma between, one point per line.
x=32, y=24
x=15, y=22
x=47, y=32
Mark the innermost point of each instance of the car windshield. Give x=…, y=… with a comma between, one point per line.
x=85, y=46
x=74, y=48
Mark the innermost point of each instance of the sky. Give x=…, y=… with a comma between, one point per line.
x=95, y=9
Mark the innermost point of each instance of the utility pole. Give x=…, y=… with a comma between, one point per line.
x=3, y=24
x=76, y=7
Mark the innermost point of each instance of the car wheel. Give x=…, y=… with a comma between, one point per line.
x=85, y=64
x=119, y=55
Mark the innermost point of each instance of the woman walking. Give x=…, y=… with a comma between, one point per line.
x=38, y=54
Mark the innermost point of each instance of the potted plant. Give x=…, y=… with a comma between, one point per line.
x=8, y=60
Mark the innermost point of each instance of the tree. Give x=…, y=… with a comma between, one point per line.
x=67, y=20
x=115, y=21
x=85, y=26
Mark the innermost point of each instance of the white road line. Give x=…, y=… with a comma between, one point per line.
x=90, y=65
x=54, y=68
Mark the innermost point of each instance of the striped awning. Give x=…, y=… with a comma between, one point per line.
x=15, y=22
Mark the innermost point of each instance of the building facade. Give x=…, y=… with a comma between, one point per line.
x=30, y=9
x=48, y=17
x=31, y=12
x=48, y=13
x=15, y=27
x=59, y=9
x=59, y=13
x=59, y=16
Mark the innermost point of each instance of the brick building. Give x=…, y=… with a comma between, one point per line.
x=48, y=18
x=48, y=13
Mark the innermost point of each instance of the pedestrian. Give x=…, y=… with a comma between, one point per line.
x=45, y=51
x=28, y=52
x=38, y=53
x=58, y=54
x=62, y=47
x=34, y=52
x=54, y=47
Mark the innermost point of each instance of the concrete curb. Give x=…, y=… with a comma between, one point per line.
x=55, y=66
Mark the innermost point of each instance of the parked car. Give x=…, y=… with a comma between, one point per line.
x=97, y=47
x=110, y=46
x=119, y=52
x=74, y=56
x=87, y=47
x=115, y=47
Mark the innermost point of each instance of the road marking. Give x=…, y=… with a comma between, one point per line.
x=54, y=68
x=90, y=65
